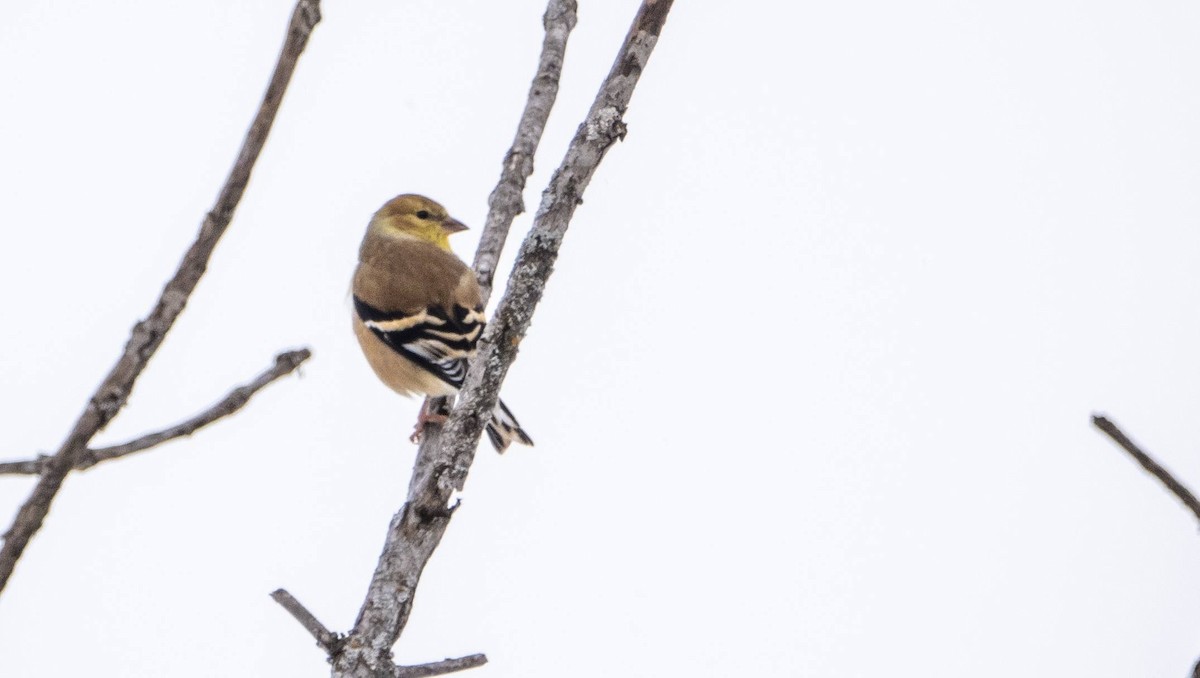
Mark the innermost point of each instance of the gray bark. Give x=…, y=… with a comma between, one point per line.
x=445, y=455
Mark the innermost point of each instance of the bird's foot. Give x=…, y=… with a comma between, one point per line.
x=426, y=416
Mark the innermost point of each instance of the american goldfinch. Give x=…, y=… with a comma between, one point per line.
x=418, y=312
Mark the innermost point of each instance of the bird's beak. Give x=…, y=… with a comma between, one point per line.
x=452, y=225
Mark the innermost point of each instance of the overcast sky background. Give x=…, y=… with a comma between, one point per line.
x=810, y=385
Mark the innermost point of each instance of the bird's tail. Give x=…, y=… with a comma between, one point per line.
x=504, y=429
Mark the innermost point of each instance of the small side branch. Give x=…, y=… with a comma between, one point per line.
x=441, y=668
x=332, y=643
x=27, y=467
x=1164, y=476
x=285, y=363
x=326, y=639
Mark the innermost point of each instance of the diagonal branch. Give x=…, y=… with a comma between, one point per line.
x=505, y=202
x=440, y=668
x=1164, y=476
x=444, y=460
x=285, y=363
x=602, y=128
x=148, y=334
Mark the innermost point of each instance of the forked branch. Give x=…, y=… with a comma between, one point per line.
x=445, y=456
x=148, y=334
x=506, y=202
x=332, y=643
x=285, y=363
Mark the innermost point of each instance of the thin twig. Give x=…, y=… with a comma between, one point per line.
x=443, y=460
x=148, y=334
x=326, y=639
x=285, y=363
x=441, y=668
x=1164, y=476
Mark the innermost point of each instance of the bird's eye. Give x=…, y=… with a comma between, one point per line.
x=422, y=214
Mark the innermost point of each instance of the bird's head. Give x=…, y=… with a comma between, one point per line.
x=415, y=216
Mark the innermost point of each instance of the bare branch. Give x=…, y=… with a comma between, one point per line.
x=441, y=668
x=505, y=202
x=285, y=363
x=1164, y=476
x=332, y=643
x=600, y=130
x=148, y=334
x=445, y=456
x=27, y=467
x=326, y=639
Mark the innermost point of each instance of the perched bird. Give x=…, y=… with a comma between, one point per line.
x=418, y=311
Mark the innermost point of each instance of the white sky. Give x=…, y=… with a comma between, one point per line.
x=810, y=384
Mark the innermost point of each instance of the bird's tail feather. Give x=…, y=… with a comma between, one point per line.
x=504, y=429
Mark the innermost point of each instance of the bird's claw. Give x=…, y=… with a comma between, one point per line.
x=425, y=417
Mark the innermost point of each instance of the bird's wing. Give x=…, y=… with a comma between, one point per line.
x=439, y=340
